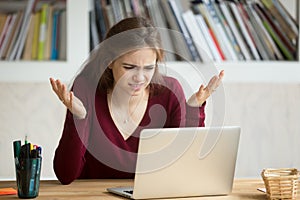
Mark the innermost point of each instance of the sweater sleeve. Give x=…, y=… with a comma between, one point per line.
x=195, y=116
x=69, y=157
x=183, y=114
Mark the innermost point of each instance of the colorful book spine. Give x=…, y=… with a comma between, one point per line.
x=5, y=29
x=55, y=35
x=183, y=30
x=36, y=32
x=47, y=53
x=6, y=33
x=237, y=34
x=228, y=32
x=20, y=41
x=43, y=32
x=282, y=23
x=217, y=30
x=197, y=36
x=244, y=31
x=205, y=30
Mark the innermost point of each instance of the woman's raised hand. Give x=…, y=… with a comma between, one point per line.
x=203, y=93
x=68, y=99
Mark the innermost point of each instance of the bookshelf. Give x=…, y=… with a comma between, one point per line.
x=78, y=49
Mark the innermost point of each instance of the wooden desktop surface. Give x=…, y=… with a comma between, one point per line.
x=96, y=189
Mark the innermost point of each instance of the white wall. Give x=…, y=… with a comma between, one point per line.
x=32, y=109
x=269, y=115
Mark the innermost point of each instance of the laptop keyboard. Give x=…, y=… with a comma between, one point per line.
x=129, y=191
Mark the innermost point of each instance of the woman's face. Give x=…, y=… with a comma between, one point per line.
x=133, y=72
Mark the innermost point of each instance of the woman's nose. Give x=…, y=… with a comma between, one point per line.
x=139, y=76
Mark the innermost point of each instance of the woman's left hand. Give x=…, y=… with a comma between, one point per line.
x=197, y=99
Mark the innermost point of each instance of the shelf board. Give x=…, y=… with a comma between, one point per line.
x=250, y=71
x=274, y=71
x=36, y=71
x=264, y=72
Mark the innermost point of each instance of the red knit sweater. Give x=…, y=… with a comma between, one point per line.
x=94, y=148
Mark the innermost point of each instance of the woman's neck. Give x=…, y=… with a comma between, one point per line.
x=122, y=99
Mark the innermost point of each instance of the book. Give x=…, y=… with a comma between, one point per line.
x=29, y=41
x=62, y=52
x=23, y=38
x=207, y=36
x=159, y=20
x=3, y=17
x=217, y=29
x=282, y=23
x=198, y=9
x=136, y=7
x=128, y=8
x=100, y=19
x=237, y=34
x=275, y=48
x=180, y=46
x=36, y=33
x=182, y=28
x=55, y=35
x=20, y=40
x=14, y=31
x=287, y=16
x=43, y=31
x=265, y=36
x=5, y=29
x=228, y=30
x=281, y=34
x=6, y=32
x=108, y=14
x=94, y=36
x=244, y=31
x=274, y=34
x=47, y=50
x=14, y=37
x=221, y=33
x=257, y=33
x=197, y=36
x=215, y=40
x=144, y=9
x=117, y=9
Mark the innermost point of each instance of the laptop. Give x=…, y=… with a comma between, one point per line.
x=184, y=162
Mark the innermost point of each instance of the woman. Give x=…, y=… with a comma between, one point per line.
x=118, y=93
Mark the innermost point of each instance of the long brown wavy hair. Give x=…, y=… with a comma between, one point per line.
x=128, y=35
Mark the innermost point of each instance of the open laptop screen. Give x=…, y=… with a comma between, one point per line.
x=183, y=162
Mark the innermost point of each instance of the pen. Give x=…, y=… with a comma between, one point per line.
x=17, y=148
x=39, y=151
x=34, y=153
x=25, y=151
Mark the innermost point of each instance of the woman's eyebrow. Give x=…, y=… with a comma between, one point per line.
x=132, y=65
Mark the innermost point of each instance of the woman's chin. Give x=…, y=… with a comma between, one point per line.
x=137, y=91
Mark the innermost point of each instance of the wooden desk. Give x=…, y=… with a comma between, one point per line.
x=96, y=189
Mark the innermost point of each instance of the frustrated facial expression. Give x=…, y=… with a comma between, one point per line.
x=133, y=72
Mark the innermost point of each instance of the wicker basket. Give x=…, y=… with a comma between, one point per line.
x=281, y=183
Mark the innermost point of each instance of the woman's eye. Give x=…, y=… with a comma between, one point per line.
x=128, y=67
x=149, y=67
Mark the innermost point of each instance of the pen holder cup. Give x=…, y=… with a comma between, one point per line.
x=281, y=183
x=28, y=177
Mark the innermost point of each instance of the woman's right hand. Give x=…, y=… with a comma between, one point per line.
x=68, y=99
